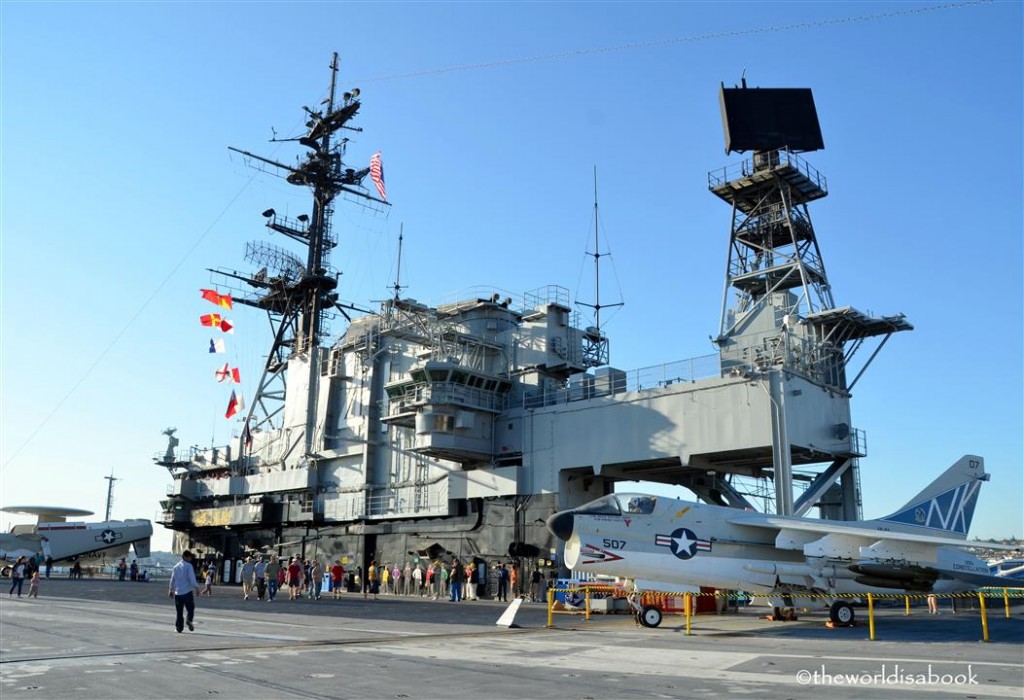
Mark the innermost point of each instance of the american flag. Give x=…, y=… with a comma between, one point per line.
x=377, y=175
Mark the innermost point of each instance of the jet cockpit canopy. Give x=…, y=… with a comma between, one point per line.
x=620, y=504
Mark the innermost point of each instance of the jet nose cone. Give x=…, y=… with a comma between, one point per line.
x=560, y=524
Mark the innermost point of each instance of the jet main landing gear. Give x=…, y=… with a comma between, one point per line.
x=649, y=616
x=841, y=614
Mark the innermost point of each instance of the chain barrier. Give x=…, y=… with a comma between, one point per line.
x=660, y=599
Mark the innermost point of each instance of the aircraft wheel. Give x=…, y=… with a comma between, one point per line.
x=841, y=613
x=5, y=572
x=650, y=616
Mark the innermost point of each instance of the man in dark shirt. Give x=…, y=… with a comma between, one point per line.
x=503, y=583
x=456, y=578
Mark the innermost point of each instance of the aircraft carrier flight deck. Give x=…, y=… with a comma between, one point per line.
x=108, y=639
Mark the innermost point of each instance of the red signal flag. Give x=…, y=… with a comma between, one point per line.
x=217, y=298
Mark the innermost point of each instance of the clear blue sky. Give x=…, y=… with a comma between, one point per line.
x=118, y=191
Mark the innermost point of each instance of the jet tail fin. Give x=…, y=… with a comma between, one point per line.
x=946, y=504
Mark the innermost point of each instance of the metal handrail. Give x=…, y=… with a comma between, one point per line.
x=642, y=379
x=778, y=158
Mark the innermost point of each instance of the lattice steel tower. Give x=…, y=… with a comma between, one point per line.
x=783, y=322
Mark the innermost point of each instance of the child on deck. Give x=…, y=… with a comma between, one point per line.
x=208, y=582
x=33, y=586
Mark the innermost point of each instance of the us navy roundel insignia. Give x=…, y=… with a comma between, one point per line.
x=109, y=536
x=683, y=543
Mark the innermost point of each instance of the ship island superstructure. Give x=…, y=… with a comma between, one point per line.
x=454, y=429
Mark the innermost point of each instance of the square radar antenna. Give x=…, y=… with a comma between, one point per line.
x=765, y=119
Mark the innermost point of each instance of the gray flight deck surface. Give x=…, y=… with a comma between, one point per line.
x=105, y=639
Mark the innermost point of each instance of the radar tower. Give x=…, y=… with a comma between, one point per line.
x=784, y=322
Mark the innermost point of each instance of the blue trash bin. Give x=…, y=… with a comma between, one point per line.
x=563, y=583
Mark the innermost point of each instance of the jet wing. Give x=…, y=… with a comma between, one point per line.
x=825, y=539
x=13, y=546
x=981, y=580
x=825, y=528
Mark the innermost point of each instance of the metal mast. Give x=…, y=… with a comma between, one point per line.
x=595, y=344
x=110, y=494
x=297, y=297
x=397, y=286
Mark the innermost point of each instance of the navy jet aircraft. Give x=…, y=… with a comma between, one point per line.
x=919, y=548
x=54, y=536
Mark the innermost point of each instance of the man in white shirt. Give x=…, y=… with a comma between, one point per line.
x=417, y=580
x=248, y=570
x=260, y=576
x=182, y=588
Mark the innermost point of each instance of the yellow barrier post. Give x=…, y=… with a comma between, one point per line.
x=551, y=608
x=687, y=601
x=586, y=605
x=871, y=617
x=907, y=598
x=984, y=617
x=1006, y=602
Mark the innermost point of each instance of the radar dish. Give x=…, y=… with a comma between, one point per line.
x=47, y=514
x=764, y=119
x=281, y=263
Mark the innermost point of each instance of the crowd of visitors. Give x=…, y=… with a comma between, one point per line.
x=262, y=577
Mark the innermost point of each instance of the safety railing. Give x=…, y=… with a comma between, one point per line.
x=642, y=379
x=766, y=162
x=526, y=301
x=451, y=393
x=639, y=602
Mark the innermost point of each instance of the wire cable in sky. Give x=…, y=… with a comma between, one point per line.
x=163, y=283
x=479, y=66
x=669, y=42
